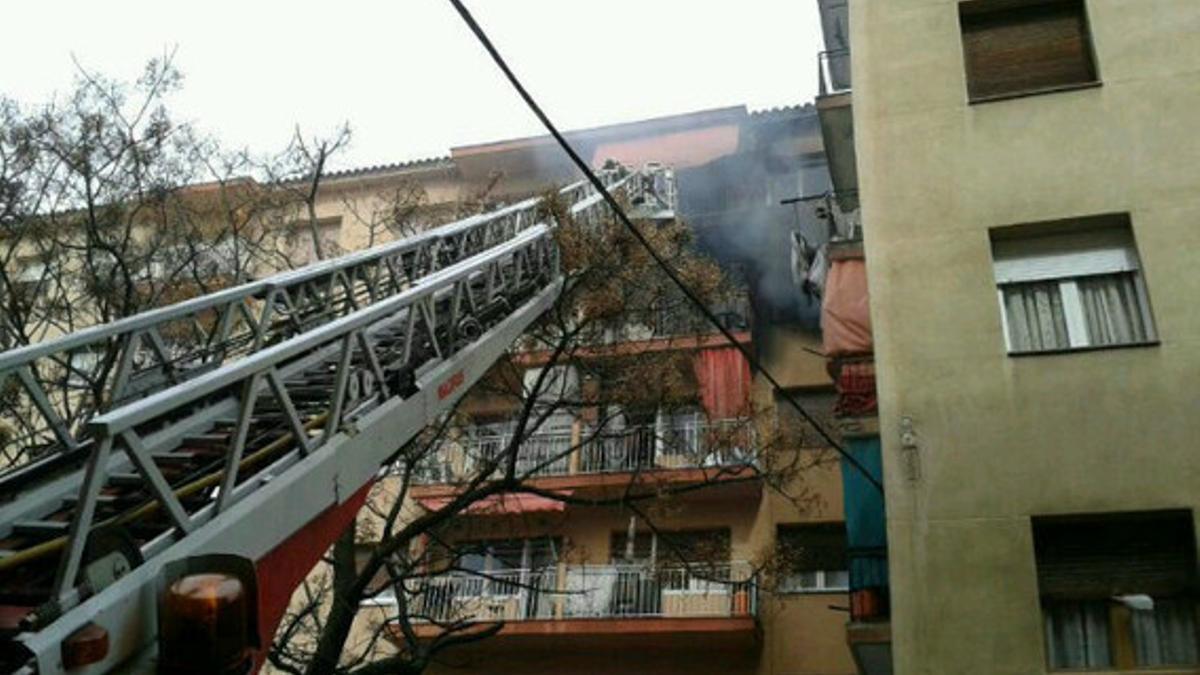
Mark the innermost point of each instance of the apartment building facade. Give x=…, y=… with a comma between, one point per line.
x=596, y=589
x=1028, y=173
x=599, y=589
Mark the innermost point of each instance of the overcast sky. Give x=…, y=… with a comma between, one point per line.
x=408, y=76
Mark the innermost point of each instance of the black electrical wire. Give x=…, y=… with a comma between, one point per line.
x=616, y=207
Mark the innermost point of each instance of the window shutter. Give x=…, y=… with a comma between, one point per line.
x=1144, y=553
x=698, y=546
x=811, y=548
x=1103, y=251
x=1025, y=48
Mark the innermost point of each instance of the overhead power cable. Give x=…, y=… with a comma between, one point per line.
x=753, y=361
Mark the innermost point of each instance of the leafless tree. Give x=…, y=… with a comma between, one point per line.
x=299, y=174
x=400, y=210
x=108, y=207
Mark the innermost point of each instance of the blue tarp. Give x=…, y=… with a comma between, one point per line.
x=866, y=524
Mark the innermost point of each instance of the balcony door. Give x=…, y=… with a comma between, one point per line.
x=516, y=578
x=652, y=571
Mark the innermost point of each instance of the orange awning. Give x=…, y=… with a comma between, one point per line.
x=501, y=505
x=846, y=310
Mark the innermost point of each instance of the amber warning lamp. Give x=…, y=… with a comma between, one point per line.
x=85, y=646
x=207, y=619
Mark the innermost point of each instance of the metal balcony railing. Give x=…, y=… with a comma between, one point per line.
x=833, y=69
x=675, y=445
x=546, y=453
x=678, y=319
x=623, y=590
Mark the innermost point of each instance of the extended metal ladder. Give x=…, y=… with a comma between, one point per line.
x=228, y=422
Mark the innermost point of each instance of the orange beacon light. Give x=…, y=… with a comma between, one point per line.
x=207, y=618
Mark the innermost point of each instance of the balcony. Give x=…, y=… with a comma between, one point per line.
x=836, y=113
x=675, y=317
x=580, y=456
x=596, y=601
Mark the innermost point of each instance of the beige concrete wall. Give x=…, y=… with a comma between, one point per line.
x=1001, y=438
x=804, y=636
x=794, y=357
x=357, y=202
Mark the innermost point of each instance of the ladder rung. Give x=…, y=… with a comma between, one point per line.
x=73, y=498
x=206, y=441
x=41, y=527
x=126, y=479
x=173, y=457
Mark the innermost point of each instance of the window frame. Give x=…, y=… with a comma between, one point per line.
x=975, y=8
x=1120, y=633
x=787, y=586
x=1076, y=321
x=494, y=586
x=786, y=582
x=1064, y=258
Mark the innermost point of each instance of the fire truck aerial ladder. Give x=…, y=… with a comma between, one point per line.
x=244, y=428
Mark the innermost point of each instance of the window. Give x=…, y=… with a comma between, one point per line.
x=1117, y=591
x=30, y=270
x=27, y=278
x=496, y=579
x=812, y=558
x=697, y=547
x=1074, y=289
x=1015, y=47
x=83, y=367
x=298, y=240
x=509, y=566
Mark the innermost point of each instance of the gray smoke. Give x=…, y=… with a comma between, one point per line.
x=733, y=204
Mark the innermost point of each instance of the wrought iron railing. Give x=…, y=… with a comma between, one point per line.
x=673, y=445
x=678, y=445
x=622, y=590
x=677, y=318
x=546, y=453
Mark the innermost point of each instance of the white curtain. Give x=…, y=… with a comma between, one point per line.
x=1077, y=634
x=1112, y=309
x=1036, y=321
x=1166, y=635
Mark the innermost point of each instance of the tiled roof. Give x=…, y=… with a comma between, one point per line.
x=766, y=115
x=787, y=111
x=428, y=163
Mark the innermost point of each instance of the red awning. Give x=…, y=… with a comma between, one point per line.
x=501, y=505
